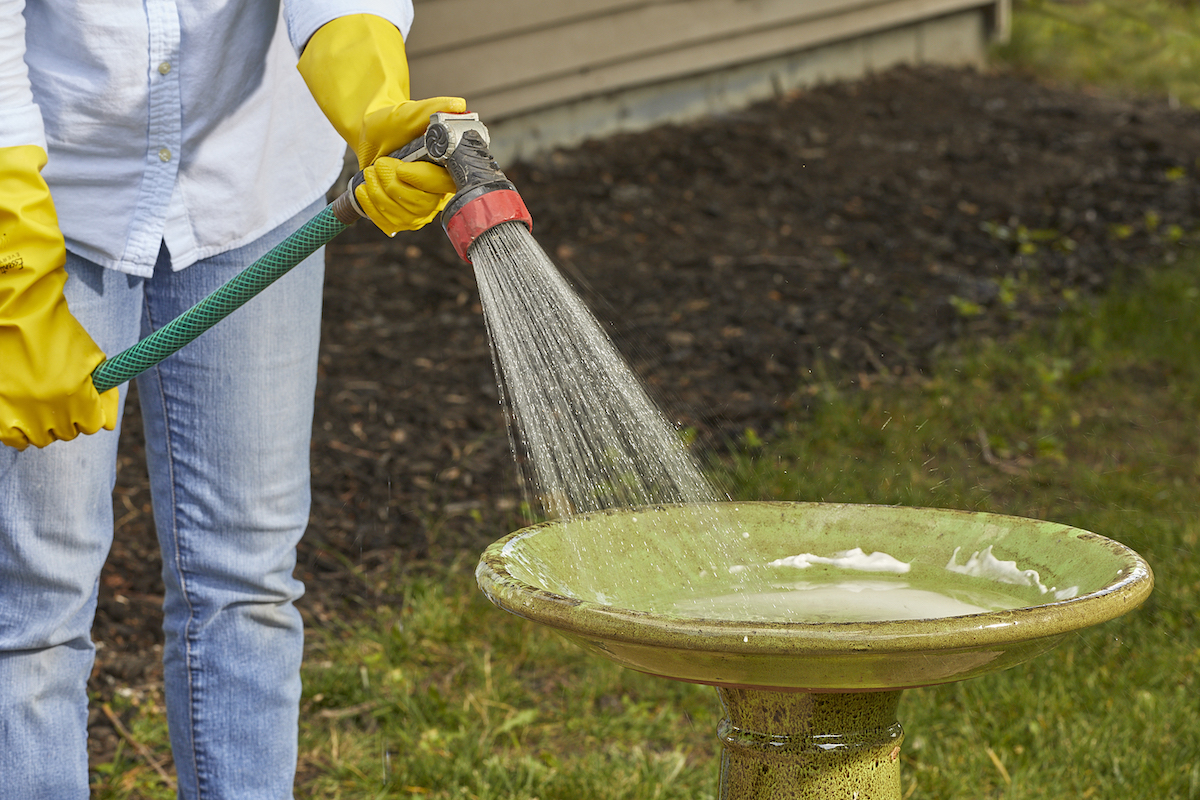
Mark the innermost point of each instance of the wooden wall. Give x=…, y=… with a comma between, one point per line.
x=509, y=57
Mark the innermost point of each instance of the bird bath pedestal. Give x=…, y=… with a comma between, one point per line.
x=810, y=619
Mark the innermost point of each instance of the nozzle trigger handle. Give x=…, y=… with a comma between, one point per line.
x=413, y=151
x=346, y=207
x=435, y=146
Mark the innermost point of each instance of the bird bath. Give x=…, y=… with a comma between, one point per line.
x=809, y=638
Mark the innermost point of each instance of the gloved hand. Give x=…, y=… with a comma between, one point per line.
x=46, y=357
x=356, y=68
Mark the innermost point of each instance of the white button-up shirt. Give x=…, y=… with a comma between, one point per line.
x=182, y=122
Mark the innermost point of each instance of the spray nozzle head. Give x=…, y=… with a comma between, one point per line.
x=485, y=197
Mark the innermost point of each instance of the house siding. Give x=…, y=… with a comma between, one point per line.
x=530, y=67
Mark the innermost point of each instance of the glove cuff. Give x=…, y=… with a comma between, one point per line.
x=356, y=67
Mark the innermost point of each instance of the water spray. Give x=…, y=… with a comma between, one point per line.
x=485, y=199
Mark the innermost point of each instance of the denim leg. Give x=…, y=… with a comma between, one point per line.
x=55, y=532
x=228, y=424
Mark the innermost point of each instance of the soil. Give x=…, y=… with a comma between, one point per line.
x=846, y=232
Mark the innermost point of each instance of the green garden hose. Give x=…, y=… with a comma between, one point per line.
x=128, y=364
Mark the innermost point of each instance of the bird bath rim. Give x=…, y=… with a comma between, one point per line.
x=830, y=656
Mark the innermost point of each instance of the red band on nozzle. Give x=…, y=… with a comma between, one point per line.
x=482, y=214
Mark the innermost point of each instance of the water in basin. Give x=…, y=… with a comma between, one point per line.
x=839, y=600
x=852, y=585
x=855, y=586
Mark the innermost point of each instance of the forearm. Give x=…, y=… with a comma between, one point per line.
x=20, y=119
x=357, y=70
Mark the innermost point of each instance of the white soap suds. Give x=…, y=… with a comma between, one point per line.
x=984, y=564
x=854, y=559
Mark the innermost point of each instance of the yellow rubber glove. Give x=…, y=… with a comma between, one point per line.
x=357, y=70
x=46, y=357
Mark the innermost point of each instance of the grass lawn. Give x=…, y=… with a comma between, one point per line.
x=1092, y=423
x=1140, y=46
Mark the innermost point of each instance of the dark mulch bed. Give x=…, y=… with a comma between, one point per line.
x=853, y=228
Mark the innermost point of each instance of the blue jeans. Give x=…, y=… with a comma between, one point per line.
x=228, y=423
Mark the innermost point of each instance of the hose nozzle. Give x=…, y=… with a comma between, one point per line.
x=485, y=197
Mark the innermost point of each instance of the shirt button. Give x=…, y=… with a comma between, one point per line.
x=164, y=155
x=164, y=67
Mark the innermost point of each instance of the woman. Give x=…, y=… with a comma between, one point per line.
x=149, y=151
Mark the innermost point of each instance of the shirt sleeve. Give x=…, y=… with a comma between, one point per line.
x=304, y=17
x=20, y=118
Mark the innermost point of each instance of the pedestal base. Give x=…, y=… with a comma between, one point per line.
x=801, y=746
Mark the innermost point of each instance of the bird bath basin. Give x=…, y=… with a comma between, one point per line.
x=810, y=619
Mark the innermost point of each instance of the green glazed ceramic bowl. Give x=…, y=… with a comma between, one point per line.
x=633, y=586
